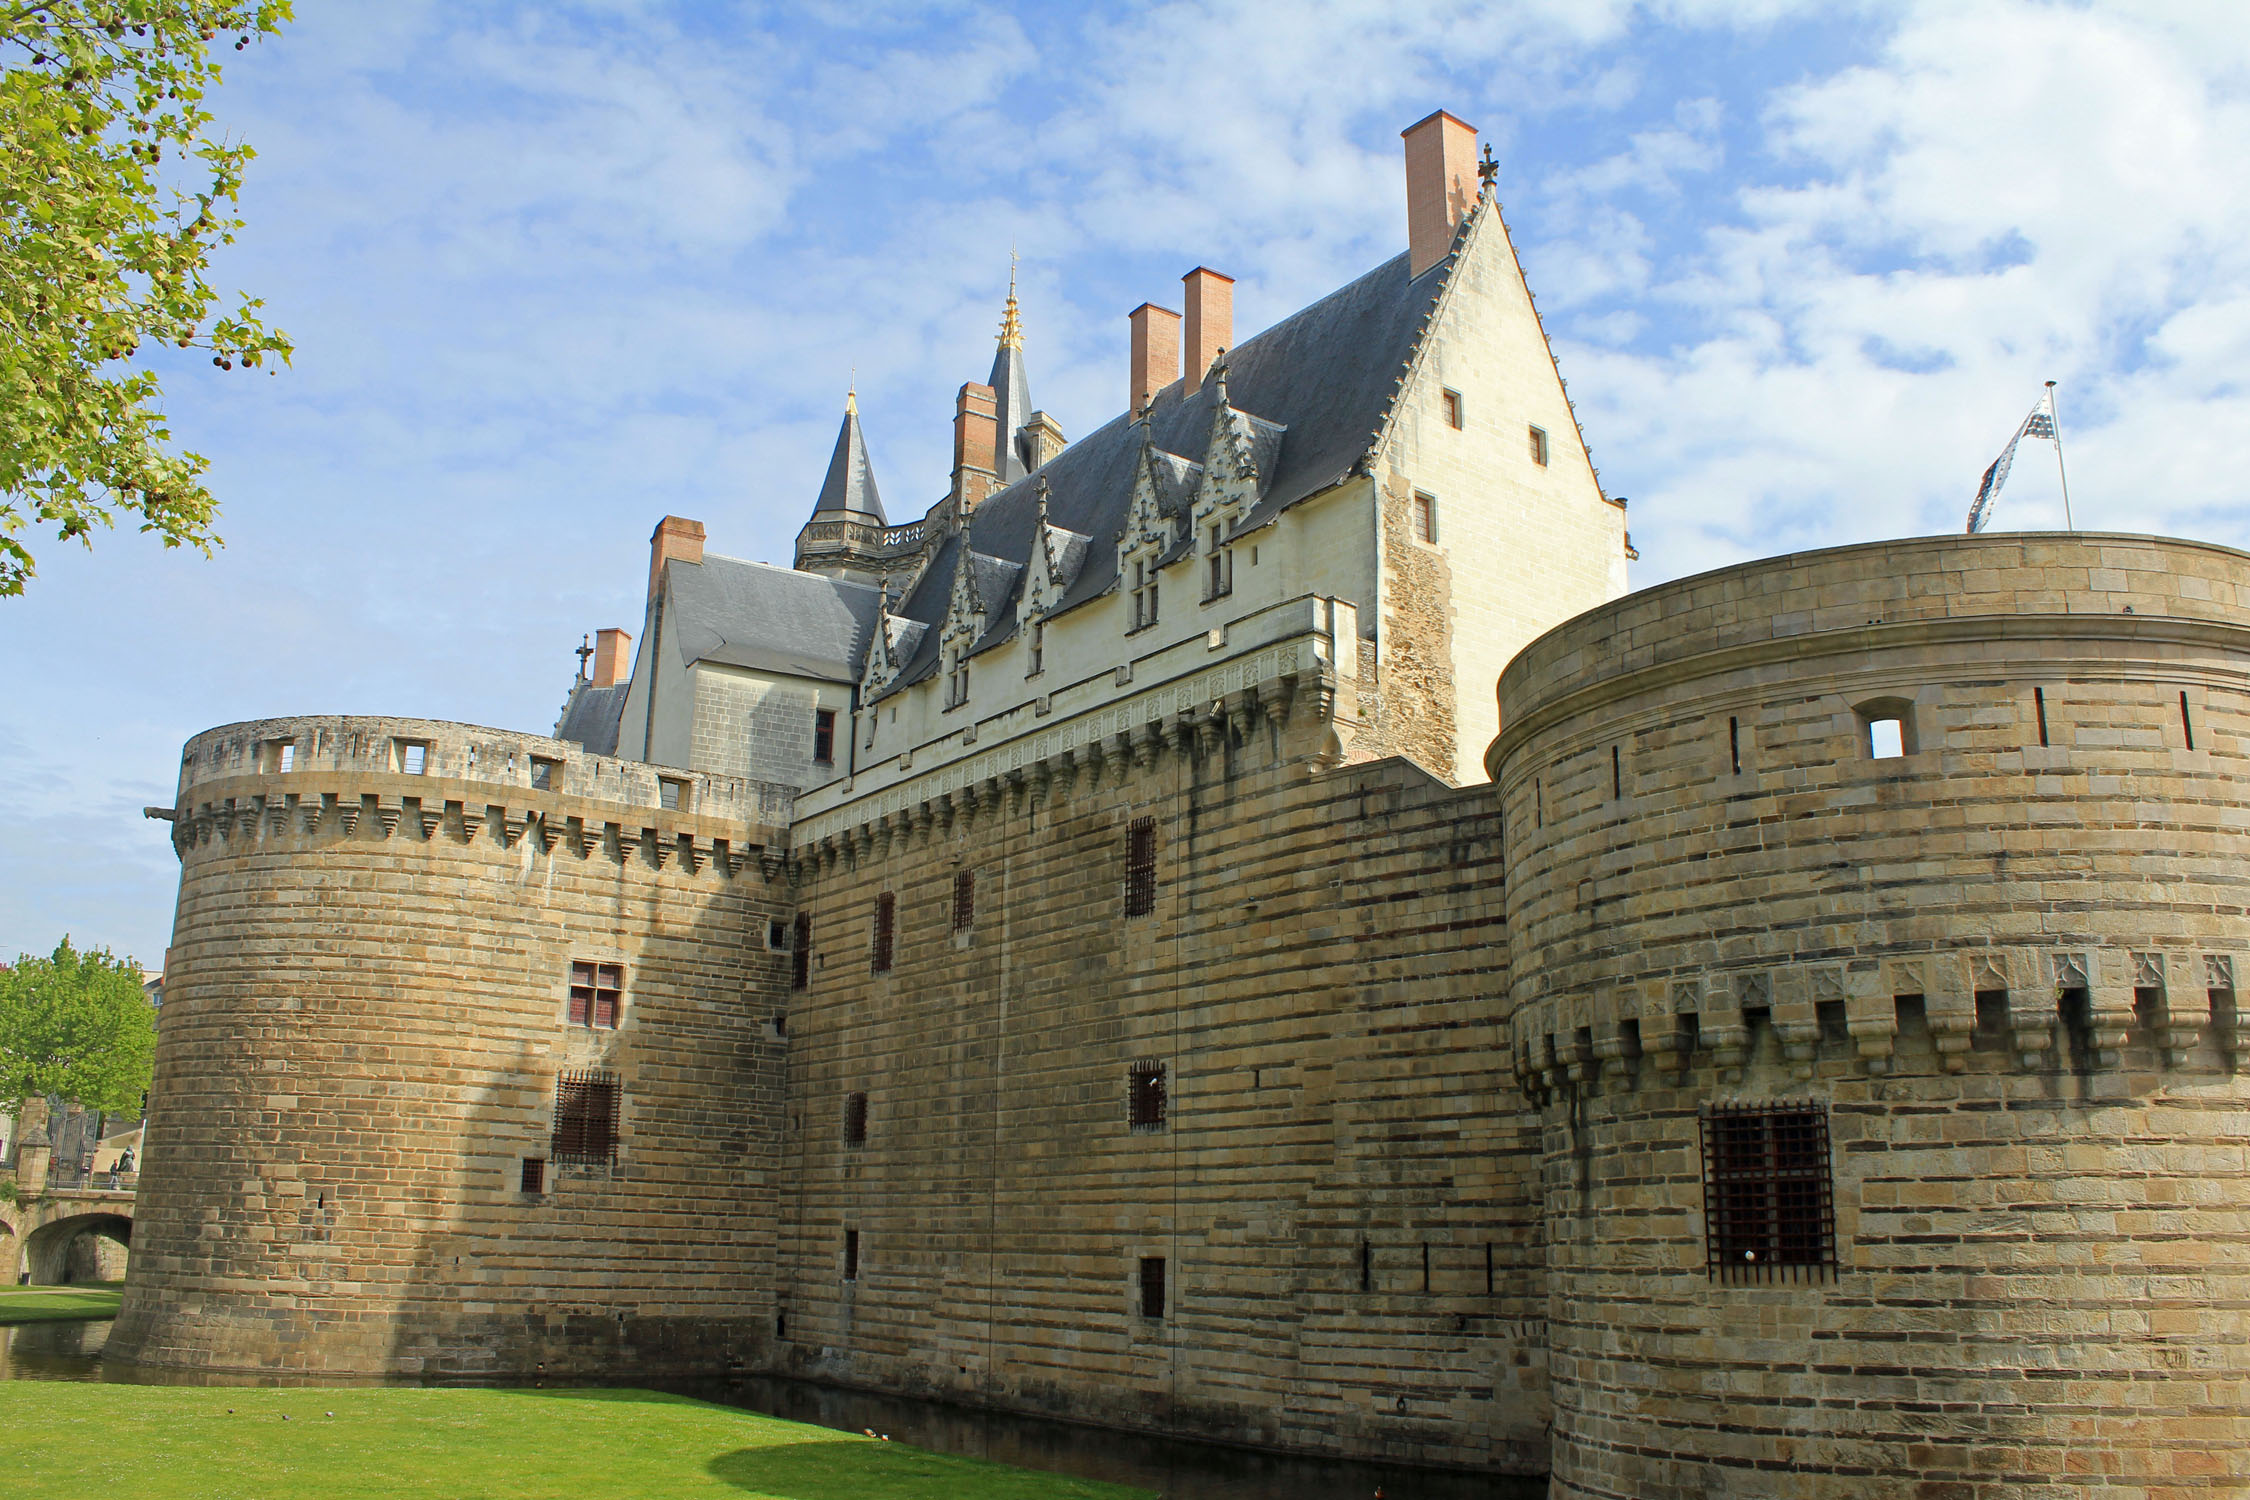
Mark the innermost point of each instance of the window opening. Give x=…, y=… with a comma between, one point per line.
x=851, y=1255
x=1222, y=573
x=855, y=1119
x=1140, y=868
x=1453, y=410
x=824, y=736
x=1144, y=594
x=1145, y=1096
x=543, y=777
x=886, y=921
x=777, y=935
x=800, y=952
x=1425, y=517
x=2039, y=706
x=671, y=793
x=534, y=1174
x=1616, y=774
x=1886, y=739
x=1539, y=446
x=1152, y=1286
x=2187, y=725
x=285, y=756
x=1038, y=648
x=597, y=993
x=413, y=756
x=1488, y=1268
x=586, y=1109
x=1425, y=1267
x=964, y=900
x=1366, y=1266
x=1734, y=746
x=1768, y=1200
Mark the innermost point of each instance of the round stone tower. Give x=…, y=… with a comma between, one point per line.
x=1875, y=918
x=464, y=1066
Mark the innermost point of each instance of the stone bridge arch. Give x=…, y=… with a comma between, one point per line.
x=37, y=1236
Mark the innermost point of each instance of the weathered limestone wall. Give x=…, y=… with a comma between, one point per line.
x=1320, y=978
x=365, y=1014
x=2007, y=968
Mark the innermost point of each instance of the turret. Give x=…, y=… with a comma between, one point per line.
x=844, y=537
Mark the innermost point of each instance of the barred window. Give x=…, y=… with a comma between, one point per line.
x=1140, y=868
x=1152, y=1286
x=964, y=900
x=855, y=1119
x=586, y=1111
x=1768, y=1199
x=596, y=991
x=800, y=952
x=886, y=926
x=534, y=1178
x=1144, y=1096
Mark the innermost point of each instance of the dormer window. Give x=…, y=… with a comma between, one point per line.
x=956, y=679
x=1038, y=642
x=1222, y=568
x=1144, y=594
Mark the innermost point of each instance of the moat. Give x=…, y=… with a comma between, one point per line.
x=1174, y=1469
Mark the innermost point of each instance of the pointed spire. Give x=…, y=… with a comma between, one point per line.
x=1011, y=388
x=850, y=484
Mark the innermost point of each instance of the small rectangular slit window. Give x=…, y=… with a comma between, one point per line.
x=543, y=774
x=964, y=900
x=534, y=1179
x=1140, y=868
x=855, y=1119
x=1425, y=518
x=800, y=952
x=1768, y=1199
x=851, y=1255
x=1616, y=774
x=1539, y=446
x=597, y=993
x=1734, y=746
x=824, y=736
x=1366, y=1266
x=2039, y=707
x=886, y=923
x=2187, y=725
x=1145, y=1096
x=1152, y=1286
x=586, y=1109
x=1453, y=410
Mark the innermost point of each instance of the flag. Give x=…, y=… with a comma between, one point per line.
x=2040, y=424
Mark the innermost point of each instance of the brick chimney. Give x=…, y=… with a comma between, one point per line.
x=976, y=445
x=1210, y=323
x=1156, y=353
x=611, y=646
x=1441, y=186
x=674, y=540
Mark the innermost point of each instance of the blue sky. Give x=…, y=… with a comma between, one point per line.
x=557, y=269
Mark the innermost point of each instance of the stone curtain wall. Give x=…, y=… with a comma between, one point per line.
x=365, y=1014
x=2040, y=1195
x=1319, y=979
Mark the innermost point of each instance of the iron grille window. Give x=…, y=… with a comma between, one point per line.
x=886, y=926
x=596, y=991
x=1769, y=1210
x=1152, y=1286
x=1140, y=868
x=535, y=1174
x=1144, y=1096
x=800, y=952
x=585, y=1119
x=855, y=1119
x=964, y=900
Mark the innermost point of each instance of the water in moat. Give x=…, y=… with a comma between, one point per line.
x=1176, y=1470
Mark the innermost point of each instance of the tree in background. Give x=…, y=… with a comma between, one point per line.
x=78, y=1025
x=113, y=193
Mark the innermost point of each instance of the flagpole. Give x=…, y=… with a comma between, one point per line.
x=2056, y=418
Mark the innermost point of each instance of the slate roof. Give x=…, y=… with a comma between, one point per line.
x=850, y=484
x=590, y=718
x=747, y=614
x=1321, y=381
x=1011, y=396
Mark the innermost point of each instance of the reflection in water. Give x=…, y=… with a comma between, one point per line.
x=53, y=1351
x=1176, y=1470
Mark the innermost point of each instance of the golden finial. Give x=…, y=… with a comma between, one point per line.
x=1011, y=330
x=851, y=397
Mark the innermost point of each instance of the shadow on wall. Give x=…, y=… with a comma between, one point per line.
x=82, y=1248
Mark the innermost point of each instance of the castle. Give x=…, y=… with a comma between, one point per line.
x=1065, y=955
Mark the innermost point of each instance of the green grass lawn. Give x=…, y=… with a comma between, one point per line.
x=47, y=1304
x=261, y=1443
